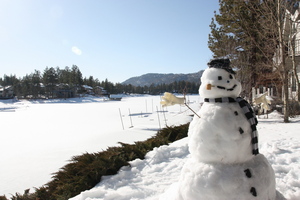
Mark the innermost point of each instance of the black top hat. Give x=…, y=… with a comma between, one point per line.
x=222, y=63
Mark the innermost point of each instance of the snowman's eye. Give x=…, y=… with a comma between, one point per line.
x=230, y=76
x=219, y=78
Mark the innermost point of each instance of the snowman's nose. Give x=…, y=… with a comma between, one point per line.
x=228, y=81
x=209, y=86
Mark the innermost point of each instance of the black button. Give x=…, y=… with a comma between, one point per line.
x=241, y=130
x=253, y=191
x=248, y=173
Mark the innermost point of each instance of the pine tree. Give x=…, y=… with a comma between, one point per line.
x=235, y=36
x=50, y=79
x=35, y=84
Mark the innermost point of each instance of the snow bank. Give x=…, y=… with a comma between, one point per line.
x=148, y=179
x=145, y=179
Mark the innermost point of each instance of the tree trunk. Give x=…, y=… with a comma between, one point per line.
x=286, y=97
x=297, y=80
x=295, y=74
x=292, y=42
x=283, y=68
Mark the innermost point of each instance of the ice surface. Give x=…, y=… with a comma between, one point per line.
x=39, y=137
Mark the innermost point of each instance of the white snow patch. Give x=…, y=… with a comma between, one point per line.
x=150, y=178
x=38, y=137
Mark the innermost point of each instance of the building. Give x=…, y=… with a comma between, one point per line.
x=6, y=92
x=100, y=91
x=292, y=37
x=271, y=82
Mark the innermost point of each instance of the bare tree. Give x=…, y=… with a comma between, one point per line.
x=281, y=66
x=273, y=20
x=257, y=31
x=294, y=26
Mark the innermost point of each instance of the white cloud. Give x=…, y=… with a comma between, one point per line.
x=76, y=50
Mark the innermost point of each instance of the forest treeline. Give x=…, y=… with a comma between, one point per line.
x=69, y=82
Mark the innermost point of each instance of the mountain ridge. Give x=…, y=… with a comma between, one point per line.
x=159, y=78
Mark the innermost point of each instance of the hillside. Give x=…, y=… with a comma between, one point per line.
x=156, y=78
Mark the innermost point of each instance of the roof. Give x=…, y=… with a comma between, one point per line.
x=87, y=87
x=5, y=88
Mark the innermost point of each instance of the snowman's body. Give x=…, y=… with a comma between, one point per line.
x=222, y=134
x=219, y=181
x=222, y=164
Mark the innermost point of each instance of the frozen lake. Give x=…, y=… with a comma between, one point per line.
x=39, y=137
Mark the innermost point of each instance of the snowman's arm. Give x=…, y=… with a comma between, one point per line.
x=170, y=100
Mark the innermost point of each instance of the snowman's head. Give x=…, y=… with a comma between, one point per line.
x=219, y=81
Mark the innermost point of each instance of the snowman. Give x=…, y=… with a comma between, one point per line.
x=224, y=162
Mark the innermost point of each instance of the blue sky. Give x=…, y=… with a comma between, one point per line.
x=113, y=39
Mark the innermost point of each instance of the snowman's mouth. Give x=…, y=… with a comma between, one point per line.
x=229, y=89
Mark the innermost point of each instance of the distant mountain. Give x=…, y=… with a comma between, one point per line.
x=156, y=78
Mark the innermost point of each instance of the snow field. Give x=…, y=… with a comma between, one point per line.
x=39, y=137
x=29, y=155
x=148, y=179
x=281, y=146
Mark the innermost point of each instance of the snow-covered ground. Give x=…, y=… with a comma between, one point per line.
x=39, y=137
x=148, y=179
